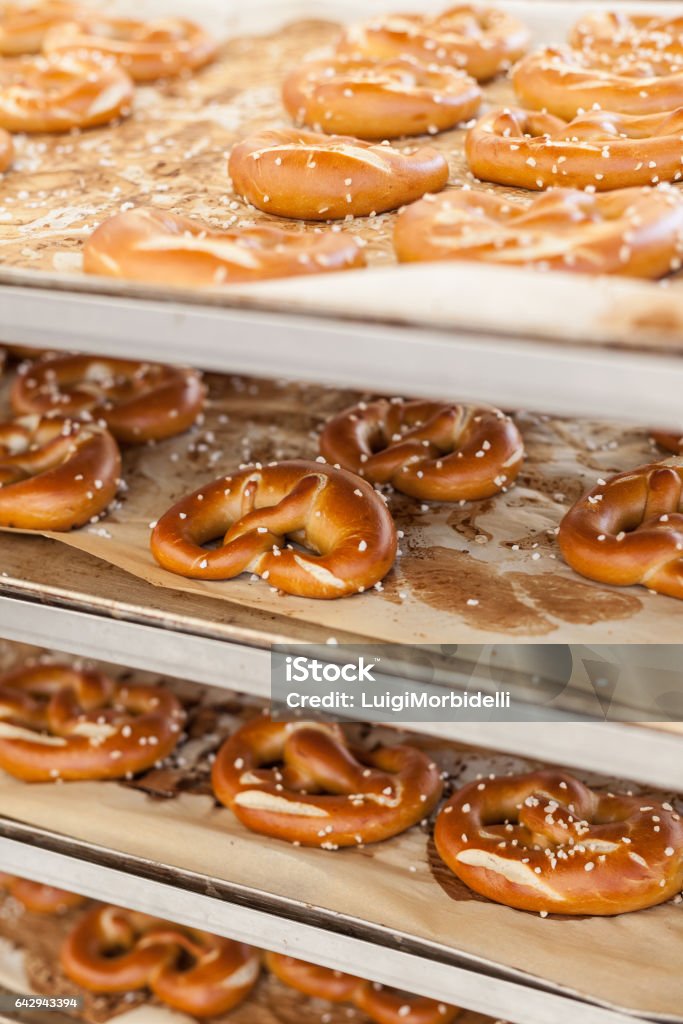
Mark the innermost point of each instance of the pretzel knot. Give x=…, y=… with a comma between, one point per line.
x=426, y=449
x=344, y=524
x=58, y=722
x=54, y=473
x=139, y=402
x=23, y=27
x=38, y=898
x=382, y=1005
x=630, y=530
x=617, y=34
x=321, y=792
x=545, y=842
x=116, y=950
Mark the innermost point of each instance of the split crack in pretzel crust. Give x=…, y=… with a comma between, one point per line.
x=322, y=792
x=38, y=898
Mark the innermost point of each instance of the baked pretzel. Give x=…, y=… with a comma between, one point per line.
x=631, y=231
x=372, y=99
x=618, y=33
x=310, y=176
x=570, y=82
x=339, y=518
x=153, y=245
x=23, y=27
x=115, y=950
x=380, y=1004
x=59, y=722
x=59, y=93
x=482, y=40
x=302, y=782
x=430, y=450
x=55, y=473
x=598, y=150
x=630, y=530
x=38, y=898
x=145, y=49
x=671, y=441
x=546, y=842
x=6, y=150
x=139, y=402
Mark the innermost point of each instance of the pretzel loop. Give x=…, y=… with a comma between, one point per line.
x=24, y=26
x=38, y=898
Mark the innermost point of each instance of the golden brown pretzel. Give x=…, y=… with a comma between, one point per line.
x=339, y=518
x=139, y=402
x=116, y=950
x=145, y=49
x=630, y=529
x=23, y=27
x=6, y=150
x=153, y=245
x=430, y=450
x=598, y=150
x=59, y=93
x=569, y=82
x=38, y=898
x=546, y=842
x=619, y=33
x=481, y=40
x=55, y=473
x=301, y=782
x=59, y=722
x=631, y=231
x=311, y=176
x=671, y=441
x=372, y=99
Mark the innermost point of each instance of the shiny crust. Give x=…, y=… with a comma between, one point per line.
x=23, y=28
x=483, y=41
x=630, y=529
x=429, y=450
x=321, y=792
x=545, y=842
x=86, y=725
x=115, y=950
x=338, y=517
x=54, y=473
x=602, y=151
x=38, y=898
x=672, y=442
x=6, y=150
x=372, y=99
x=311, y=176
x=162, y=248
x=139, y=402
x=634, y=232
x=617, y=33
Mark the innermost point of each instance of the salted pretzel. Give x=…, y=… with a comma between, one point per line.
x=545, y=842
x=619, y=33
x=598, y=150
x=55, y=473
x=429, y=450
x=372, y=99
x=343, y=524
x=59, y=722
x=145, y=49
x=631, y=231
x=153, y=245
x=302, y=782
x=61, y=92
x=38, y=898
x=23, y=27
x=380, y=1004
x=630, y=529
x=6, y=150
x=569, y=82
x=113, y=950
x=139, y=402
x=672, y=441
x=312, y=176
x=482, y=40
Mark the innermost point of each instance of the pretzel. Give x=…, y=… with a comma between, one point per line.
x=630, y=529
x=321, y=792
x=6, y=150
x=23, y=28
x=372, y=99
x=145, y=49
x=598, y=150
x=382, y=1005
x=546, y=842
x=482, y=40
x=139, y=402
x=38, y=898
x=616, y=34
x=310, y=176
x=570, y=82
x=59, y=722
x=335, y=515
x=153, y=245
x=631, y=231
x=430, y=450
x=54, y=473
x=671, y=441
x=114, y=950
